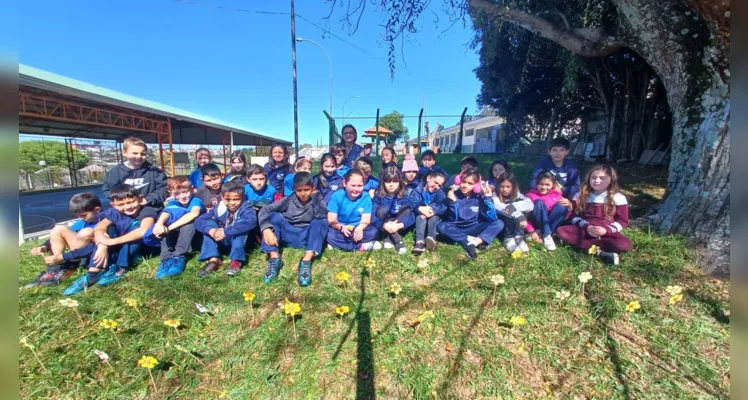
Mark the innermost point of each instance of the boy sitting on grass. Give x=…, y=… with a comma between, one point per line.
x=225, y=229
x=118, y=239
x=78, y=235
x=466, y=163
x=428, y=164
x=210, y=191
x=174, y=228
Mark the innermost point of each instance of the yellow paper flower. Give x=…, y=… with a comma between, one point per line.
x=342, y=310
x=585, y=277
x=517, y=320
x=292, y=309
x=350, y=227
x=676, y=298
x=25, y=343
x=395, y=289
x=674, y=290
x=108, y=324
x=593, y=250
x=423, y=263
x=426, y=315
x=342, y=276
x=173, y=323
x=147, y=362
x=633, y=306
x=370, y=263
x=517, y=253
x=563, y=295
x=131, y=302
x=497, y=279
x=248, y=296
x=69, y=303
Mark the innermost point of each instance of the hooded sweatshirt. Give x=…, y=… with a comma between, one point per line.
x=150, y=181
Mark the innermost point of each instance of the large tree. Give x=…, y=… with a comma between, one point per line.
x=52, y=152
x=687, y=43
x=394, y=122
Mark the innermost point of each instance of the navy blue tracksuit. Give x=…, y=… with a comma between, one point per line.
x=391, y=208
x=474, y=216
x=426, y=227
x=236, y=227
x=276, y=176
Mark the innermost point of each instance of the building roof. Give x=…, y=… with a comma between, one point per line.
x=187, y=127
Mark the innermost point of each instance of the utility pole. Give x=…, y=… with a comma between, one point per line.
x=295, y=90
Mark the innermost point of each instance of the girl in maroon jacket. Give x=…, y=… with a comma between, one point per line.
x=600, y=214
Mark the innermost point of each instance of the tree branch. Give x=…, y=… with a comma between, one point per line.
x=586, y=42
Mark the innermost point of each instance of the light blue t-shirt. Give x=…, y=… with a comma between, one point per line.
x=349, y=211
x=194, y=202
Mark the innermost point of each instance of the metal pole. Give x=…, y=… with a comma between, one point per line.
x=344, y=103
x=418, y=138
x=377, y=128
x=462, y=123
x=329, y=61
x=295, y=90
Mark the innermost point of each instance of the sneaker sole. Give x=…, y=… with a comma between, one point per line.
x=418, y=251
x=430, y=244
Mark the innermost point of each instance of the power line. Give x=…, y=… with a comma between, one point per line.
x=411, y=116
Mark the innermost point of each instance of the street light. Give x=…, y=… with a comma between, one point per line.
x=344, y=103
x=328, y=60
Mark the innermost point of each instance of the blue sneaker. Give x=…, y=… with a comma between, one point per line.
x=176, y=266
x=274, y=266
x=114, y=274
x=82, y=283
x=305, y=273
x=163, y=268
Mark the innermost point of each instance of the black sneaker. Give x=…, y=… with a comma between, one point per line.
x=419, y=248
x=470, y=251
x=609, y=258
x=273, y=268
x=430, y=243
x=44, y=276
x=211, y=266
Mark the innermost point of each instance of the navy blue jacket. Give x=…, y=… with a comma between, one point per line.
x=411, y=186
x=421, y=197
x=277, y=175
x=567, y=175
x=334, y=183
x=384, y=166
x=245, y=219
x=356, y=152
x=394, y=205
x=423, y=171
x=468, y=211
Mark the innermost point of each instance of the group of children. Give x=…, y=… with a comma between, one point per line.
x=283, y=205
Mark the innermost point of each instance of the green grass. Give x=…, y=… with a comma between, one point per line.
x=587, y=346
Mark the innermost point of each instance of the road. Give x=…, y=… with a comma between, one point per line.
x=40, y=212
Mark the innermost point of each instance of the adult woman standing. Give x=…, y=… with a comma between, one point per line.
x=353, y=151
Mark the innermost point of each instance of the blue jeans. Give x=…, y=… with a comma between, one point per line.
x=546, y=221
x=310, y=238
x=337, y=240
x=234, y=245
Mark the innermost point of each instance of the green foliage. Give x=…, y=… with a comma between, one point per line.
x=53, y=152
x=394, y=122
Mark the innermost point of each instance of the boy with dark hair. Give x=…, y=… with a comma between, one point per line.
x=428, y=164
x=174, y=228
x=225, y=229
x=210, y=191
x=148, y=179
x=366, y=166
x=257, y=192
x=465, y=163
x=77, y=235
x=430, y=204
x=202, y=158
x=298, y=221
x=120, y=228
x=567, y=174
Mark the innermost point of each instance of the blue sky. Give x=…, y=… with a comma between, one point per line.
x=236, y=66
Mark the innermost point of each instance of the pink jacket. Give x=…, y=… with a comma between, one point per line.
x=550, y=199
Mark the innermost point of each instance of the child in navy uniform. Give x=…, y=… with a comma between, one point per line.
x=498, y=167
x=256, y=191
x=430, y=204
x=389, y=159
x=202, y=158
x=118, y=239
x=465, y=163
x=428, y=164
x=366, y=166
x=472, y=219
x=338, y=150
x=601, y=212
x=567, y=174
x=78, y=235
x=410, y=173
x=225, y=229
x=238, y=169
x=301, y=165
x=149, y=180
x=210, y=192
x=277, y=168
x=298, y=221
x=174, y=228
x=349, y=216
x=393, y=213
x=328, y=180
x=511, y=207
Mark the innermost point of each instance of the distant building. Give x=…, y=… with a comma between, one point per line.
x=481, y=135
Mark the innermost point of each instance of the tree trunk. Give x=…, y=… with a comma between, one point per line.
x=677, y=45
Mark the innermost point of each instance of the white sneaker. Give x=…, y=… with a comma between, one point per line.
x=402, y=251
x=329, y=247
x=549, y=244
x=470, y=238
x=388, y=244
x=523, y=246
x=510, y=245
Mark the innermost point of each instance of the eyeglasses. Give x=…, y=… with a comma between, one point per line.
x=349, y=133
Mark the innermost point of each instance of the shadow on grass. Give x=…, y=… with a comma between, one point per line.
x=715, y=308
